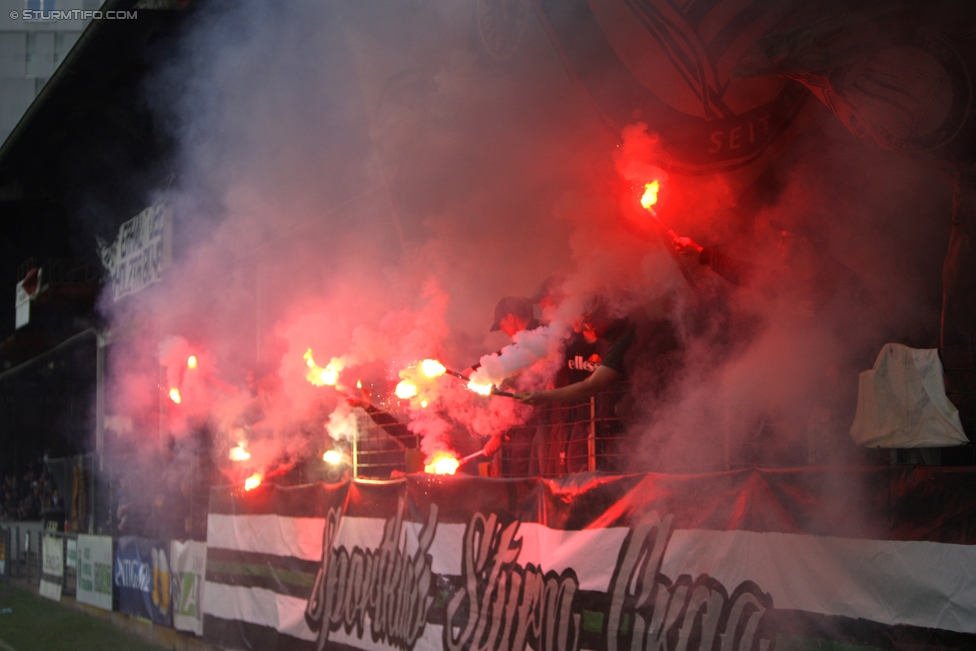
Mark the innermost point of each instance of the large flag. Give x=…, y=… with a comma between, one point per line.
x=669, y=64
x=896, y=86
x=747, y=560
x=898, y=75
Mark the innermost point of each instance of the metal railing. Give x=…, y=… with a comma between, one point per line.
x=382, y=446
x=559, y=439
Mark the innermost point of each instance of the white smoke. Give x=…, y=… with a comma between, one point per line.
x=528, y=347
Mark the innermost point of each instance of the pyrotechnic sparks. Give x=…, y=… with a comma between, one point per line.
x=418, y=383
x=650, y=194
x=405, y=390
x=239, y=453
x=442, y=463
x=322, y=376
x=191, y=362
x=333, y=457
x=174, y=395
x=252, y=482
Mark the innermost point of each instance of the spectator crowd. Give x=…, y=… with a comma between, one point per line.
x=29, y=496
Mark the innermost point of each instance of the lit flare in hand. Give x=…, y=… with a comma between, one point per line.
x=649, y=197
x=333, y=457
x=432, y=368
x=252, y=482
x=648, y=200
x=480, y=388
x=174, y=395
x=442, y=463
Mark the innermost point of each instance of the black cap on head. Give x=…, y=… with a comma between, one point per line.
x=520, y=307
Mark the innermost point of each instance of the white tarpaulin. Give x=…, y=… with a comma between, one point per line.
x=902, y=402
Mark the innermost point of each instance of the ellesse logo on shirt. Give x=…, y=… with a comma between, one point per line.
x=579, y=364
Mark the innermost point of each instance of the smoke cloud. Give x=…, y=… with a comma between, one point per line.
x=365, y=181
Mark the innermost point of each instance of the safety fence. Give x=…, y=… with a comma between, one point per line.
x=558, y=439
x=32, y=554
x=20, y=543
x=561, y=439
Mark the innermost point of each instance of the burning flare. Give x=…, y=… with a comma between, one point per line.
x=442, y=463
x=418, y=383
x=191, y=362
x=252, y=482
x=239, y=453
x=174, y=395
x=432, y=368
x=322, y=376
x=480, y=388
x=405, y=390
x=650, y=194
x=333, y=457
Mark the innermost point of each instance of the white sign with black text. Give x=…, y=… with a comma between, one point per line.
x=141, y=252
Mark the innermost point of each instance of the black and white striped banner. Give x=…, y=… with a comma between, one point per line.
x=749, y=560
